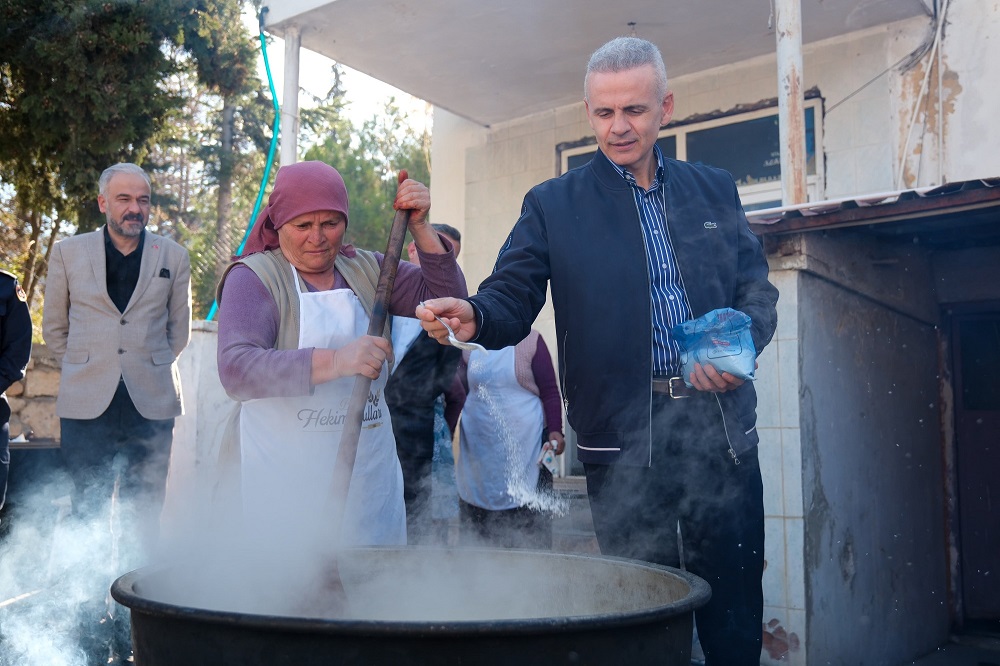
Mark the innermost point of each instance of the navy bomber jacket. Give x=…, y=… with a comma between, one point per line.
x=580, y=233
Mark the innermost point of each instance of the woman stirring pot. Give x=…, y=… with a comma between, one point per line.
x=293, y=319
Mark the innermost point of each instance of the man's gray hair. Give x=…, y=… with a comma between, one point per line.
x=115, y=169
x=625, y=53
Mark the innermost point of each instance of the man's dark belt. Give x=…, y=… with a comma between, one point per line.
x=673, y=386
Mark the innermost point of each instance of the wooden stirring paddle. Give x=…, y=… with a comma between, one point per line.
x=346, y=455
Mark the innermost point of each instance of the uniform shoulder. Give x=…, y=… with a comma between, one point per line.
x=9, y=287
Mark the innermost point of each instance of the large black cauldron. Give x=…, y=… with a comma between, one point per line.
x=435, y=606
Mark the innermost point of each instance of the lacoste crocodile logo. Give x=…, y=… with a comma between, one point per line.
x=711, y=225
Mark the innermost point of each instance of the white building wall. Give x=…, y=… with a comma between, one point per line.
x=194, y=457
x=286, y=9
x=780, y=455
x=453, y=137
x=861, y=129
x=515, y=157
x=971, y=98
x=858, y=121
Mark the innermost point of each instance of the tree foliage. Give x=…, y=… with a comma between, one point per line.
x=186, y=156
x=79, y=90
x=369, y=158
x=172, y=86
x=169, y=84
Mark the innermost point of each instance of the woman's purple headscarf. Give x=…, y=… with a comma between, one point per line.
x=303, y=187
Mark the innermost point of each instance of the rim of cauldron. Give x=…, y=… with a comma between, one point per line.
x=124, y=592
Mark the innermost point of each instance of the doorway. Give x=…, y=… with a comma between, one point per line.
x=975, y=336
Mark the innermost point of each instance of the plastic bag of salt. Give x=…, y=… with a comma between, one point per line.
x=720, y=338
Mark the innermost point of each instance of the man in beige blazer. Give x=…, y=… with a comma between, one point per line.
x=117, y=315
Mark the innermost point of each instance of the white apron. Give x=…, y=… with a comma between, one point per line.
x=404, y=333
x=501, y=435
x=289, y=446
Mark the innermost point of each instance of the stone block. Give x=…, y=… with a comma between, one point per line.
x=15, y=426
x=17, y=388
x=39, y=416
x=42, y=382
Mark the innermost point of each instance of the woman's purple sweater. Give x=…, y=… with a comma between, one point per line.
x=250, y=367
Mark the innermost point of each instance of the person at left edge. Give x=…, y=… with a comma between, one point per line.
x=15, y=351
x=293, y=321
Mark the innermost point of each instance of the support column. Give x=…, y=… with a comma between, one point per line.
x=290, y=98
x=791, y=103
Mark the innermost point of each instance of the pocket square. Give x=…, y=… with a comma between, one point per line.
x=165, y=272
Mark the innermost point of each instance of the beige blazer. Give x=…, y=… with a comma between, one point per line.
x=97, y=344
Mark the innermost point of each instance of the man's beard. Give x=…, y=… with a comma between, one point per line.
x=128, y=232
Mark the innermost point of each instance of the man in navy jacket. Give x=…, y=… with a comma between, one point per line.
x=632, y=244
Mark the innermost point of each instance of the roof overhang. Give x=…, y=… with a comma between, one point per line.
x=961, y=214
x=495, y=61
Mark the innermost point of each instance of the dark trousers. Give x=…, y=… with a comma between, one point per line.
x=416, y=467
x=693, y=484
x=119, y=446
x=121, y=455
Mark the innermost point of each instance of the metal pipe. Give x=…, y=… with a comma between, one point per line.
x=275, y=133
x=791, y=102
x=290, y=98
x=940, y=110
x=916, y=102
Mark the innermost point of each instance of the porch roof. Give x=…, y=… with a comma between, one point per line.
x=495, y=61
x=960, y=214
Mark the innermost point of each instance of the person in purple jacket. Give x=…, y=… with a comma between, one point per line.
x=293, y=319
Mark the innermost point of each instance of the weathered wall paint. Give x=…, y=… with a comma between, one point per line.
x=872, y=471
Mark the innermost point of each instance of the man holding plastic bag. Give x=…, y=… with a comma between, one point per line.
x=632, y=244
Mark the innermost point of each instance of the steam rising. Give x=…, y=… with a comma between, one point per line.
x=518, y=486
x=54, y=576
x=57, y=566
x=440, y=585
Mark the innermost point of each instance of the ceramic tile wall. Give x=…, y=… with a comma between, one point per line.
x=781, y=470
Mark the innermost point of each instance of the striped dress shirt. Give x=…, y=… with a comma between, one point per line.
x=668, y=302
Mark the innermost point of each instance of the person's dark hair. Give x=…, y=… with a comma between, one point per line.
x=625, y=53
x=449, y=231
